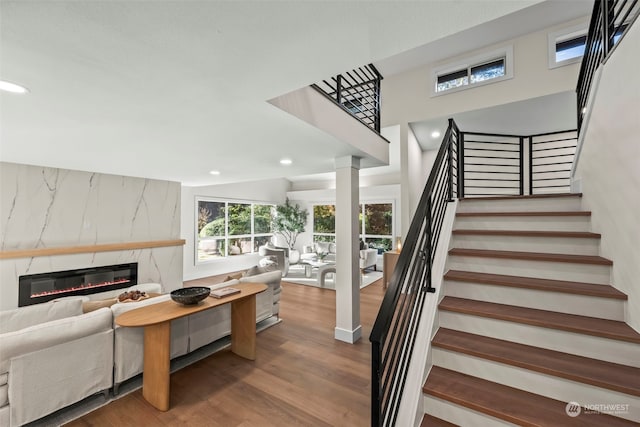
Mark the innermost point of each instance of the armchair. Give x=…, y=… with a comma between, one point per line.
x=280, y=253
x=368, y=258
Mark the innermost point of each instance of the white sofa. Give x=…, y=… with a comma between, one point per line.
x=51, y=356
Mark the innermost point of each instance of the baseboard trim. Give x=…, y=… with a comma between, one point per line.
x=348, y=336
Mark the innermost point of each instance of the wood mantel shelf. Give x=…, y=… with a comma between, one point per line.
x=108, y=247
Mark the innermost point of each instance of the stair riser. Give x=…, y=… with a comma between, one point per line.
x=529, y=223
x=550, y=245
x=573, y=272
x=535, y=382
x=579, y=344
x=522, y=205
x=459, y=414
x=604, y=308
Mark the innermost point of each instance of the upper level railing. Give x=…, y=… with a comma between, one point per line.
x=494, y=164
x=394, y=331
x=358, y=92
x=610, y=21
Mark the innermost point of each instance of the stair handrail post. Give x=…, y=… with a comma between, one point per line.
x=376, y=404
x=450, y=164
x=521, y=164
x=530, y=165
x=339, y=88
x=461, y=165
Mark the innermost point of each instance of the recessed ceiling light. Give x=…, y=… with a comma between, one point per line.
x=214, y=172
x=435, y=134
x=286, y=161
x=12, y=87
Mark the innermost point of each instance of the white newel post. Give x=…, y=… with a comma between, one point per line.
x=348, y=326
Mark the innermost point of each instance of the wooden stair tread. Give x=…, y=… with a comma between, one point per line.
x=604, y=328
x=612, y=376
x=532, y=256
x=431, y=421
x=532, y=196
x=528, y=213
x=578, y=288
x=508, y=403
x=528, y=233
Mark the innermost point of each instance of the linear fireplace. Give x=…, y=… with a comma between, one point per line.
x=37, y=288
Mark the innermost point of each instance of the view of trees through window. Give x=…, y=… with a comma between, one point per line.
x=231, y=228
x=376, y=221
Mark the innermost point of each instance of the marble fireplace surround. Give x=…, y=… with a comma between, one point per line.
x=57, y=219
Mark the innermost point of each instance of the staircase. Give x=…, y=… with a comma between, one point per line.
x=529, y=322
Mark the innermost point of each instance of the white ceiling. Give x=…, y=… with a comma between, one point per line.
x=171, y=90
x=536, y=115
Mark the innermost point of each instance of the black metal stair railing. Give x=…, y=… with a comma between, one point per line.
x=610, y=21
x=358, y=92
x=394, y=332
x=514, y=165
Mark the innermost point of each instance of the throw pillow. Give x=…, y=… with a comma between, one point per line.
x=268, y=260
x=235, y=276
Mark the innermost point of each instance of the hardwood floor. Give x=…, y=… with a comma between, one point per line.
x=302, y=376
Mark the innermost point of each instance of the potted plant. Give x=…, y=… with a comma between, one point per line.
x=289, y=221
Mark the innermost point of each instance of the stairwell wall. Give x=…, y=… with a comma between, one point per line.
x=608, y=168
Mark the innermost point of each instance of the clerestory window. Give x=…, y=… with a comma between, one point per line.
x=475, y=71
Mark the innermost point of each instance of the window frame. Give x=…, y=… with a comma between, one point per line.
x=362, y=224
x=473, y=62
x=227, y=236
x=563, y=35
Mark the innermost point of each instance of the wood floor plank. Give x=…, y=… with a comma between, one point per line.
x=524, y=213
x=301, y=375
x=577, y=288
x=527, y=233
x=509, y=404
x=547, y=319
x=612, y=376
x=532, y=256
x=431, y=421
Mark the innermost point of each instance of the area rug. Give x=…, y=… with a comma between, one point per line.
x=296, y=275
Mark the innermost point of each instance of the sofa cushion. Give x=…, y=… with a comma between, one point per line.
x=89, y=306
x=256, y=269
x=51, y=333
x=23, y=317
x=322, y=247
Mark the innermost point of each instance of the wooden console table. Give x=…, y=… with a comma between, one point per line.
x=156, y=320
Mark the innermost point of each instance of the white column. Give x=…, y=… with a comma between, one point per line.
x=348, y=326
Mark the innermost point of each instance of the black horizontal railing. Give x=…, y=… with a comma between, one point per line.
x=551, y=157
x=610, y=21
x=510, y=165
x=358, y=92
x=394, y=332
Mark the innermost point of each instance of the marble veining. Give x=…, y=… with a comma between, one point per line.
x=48, y=207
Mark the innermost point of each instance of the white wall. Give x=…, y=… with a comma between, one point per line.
x=268, y=191
x=407, y=96
x=609, y=168
x=48, y=208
